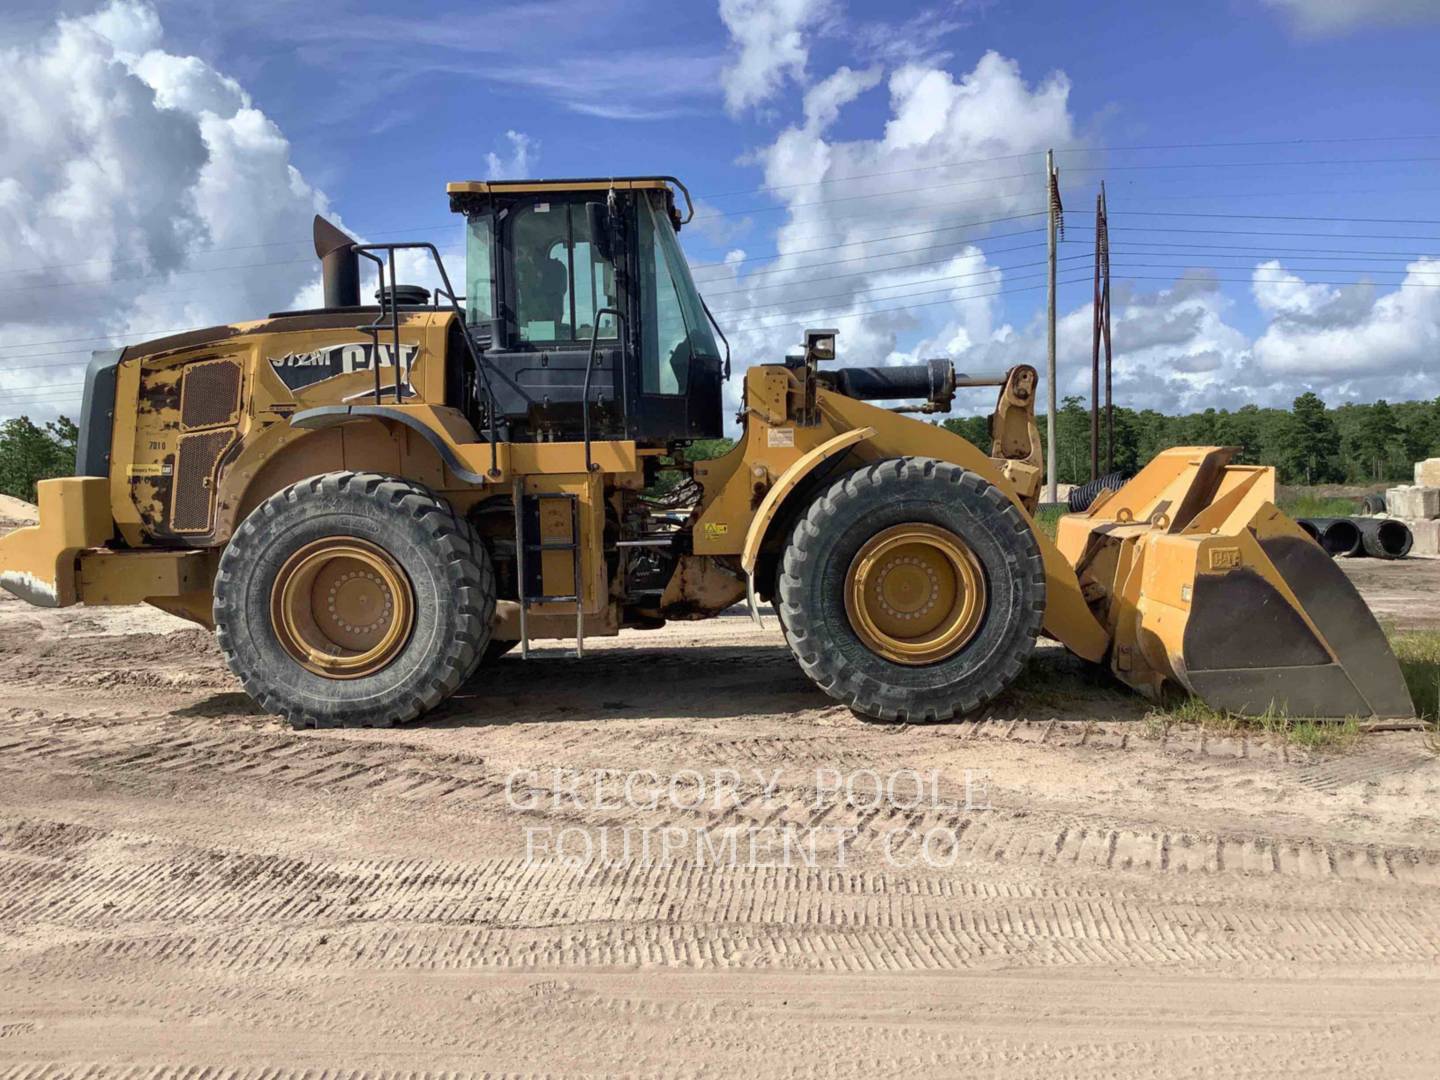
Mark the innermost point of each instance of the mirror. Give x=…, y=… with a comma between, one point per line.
x=597, y=216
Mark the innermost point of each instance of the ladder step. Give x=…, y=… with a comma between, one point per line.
x=572, y=545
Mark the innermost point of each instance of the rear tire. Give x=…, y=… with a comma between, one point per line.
x=990, y=545
x=424, y=567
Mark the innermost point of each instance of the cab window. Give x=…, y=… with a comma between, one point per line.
x=675, y=328
x=559, y=281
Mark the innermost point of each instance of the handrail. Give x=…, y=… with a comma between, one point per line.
x=624, y=327
x=374, y=329
x=716, y=325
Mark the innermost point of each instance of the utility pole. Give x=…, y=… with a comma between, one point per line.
x=1095, y=354
x=1103, y=236
x=1052, y=201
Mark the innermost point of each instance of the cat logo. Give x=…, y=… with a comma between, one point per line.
x=299, y=370
x=1224, y=558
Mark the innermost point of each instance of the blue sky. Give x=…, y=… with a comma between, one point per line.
x=1294, y=111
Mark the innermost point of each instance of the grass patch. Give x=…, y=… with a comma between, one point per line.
x=1048, y=519
x=1311, y=734
x=1419, y=654
x=1307, y=505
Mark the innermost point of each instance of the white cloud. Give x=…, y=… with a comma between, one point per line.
x=518, y=164
x=141, y=191
x=1319, y=17
x=877, y=237
x=1174, y=350
x=824, y=101
x=769, y=37
x=1348, y=335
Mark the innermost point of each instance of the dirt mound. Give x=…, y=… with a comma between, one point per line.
x=14, y=512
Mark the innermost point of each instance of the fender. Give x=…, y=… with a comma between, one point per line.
x=789, y=479
x=433, y=432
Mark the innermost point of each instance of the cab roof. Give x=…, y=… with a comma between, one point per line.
x=469, y=195
x=592, y=183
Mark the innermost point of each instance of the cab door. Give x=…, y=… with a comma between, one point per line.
x=680, y=366
x=554, y=281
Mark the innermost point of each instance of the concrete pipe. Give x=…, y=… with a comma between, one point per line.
x=1385, y=538
x=1338, y=536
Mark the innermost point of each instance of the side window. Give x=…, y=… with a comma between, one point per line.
x=665, y=341
x=594, y=286
x=479, y=277
x=559, y=280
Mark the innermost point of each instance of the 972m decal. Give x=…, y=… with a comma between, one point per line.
x=299, y=370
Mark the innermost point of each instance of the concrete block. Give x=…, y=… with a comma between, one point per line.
x=1417, y=503
x=1427, y=537
x=1427, y=472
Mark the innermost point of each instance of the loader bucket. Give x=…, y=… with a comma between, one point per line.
x=1208, y=587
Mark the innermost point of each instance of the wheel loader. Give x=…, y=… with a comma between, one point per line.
x=369, y=502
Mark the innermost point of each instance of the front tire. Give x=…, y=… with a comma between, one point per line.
x=912, y=590
x=353, y=599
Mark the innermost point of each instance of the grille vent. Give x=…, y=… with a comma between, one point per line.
x=193, y=498
x=210, y=394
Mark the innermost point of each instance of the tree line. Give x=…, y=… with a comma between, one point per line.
x=30, y=453
x=1309, y=443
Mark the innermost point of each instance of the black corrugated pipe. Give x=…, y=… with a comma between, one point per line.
x=1385, y=538
x=1082, y=496
x=1338, y=536
x=1309, y=527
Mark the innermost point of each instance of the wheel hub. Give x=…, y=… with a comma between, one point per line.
x=342, y=607
x=915, y=594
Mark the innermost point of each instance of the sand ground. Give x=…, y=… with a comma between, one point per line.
x=188, y=888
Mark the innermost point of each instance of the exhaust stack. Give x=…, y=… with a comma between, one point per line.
x=339, y=265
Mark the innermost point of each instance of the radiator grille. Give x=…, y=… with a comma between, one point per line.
x=210, y=394
x=192, y=495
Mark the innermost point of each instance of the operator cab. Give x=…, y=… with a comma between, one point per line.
x=558, y=268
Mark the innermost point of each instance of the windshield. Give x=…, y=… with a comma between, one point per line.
x=675, y=329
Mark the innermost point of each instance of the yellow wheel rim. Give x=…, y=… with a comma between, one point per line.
x=915, y=594
x=342, y=607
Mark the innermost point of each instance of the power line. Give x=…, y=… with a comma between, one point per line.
x=1263, y=232
x=879, y=239
x=154, y=277
x=1251, y=280
x=1307, y=269
x=896, y=172
x=1261, y=252
x=1252, y=164
x=901, y=285
x=1282, y=217
x=103, y=337
x=1072, y=150
x=851, y=313
x=859, y=273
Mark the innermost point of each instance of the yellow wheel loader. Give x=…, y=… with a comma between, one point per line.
x=369, y=502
